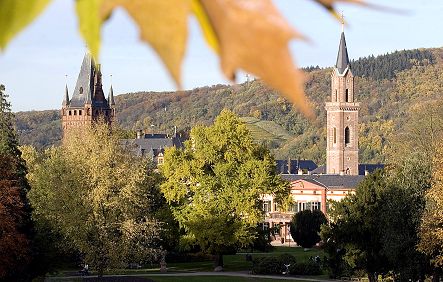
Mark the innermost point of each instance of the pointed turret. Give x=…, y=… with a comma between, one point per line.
x=66, y=99
x=342, y=57
x=111, y=97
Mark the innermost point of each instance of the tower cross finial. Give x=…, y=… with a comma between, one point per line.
x=342, y=20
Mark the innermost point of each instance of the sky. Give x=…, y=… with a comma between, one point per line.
x=35, y=64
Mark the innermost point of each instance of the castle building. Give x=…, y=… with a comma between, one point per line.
x=88, y=102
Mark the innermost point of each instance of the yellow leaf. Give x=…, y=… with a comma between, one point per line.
x=253, y=36
x=88, y=13
x=205, y=24
x=17, y=14
x=163, y=24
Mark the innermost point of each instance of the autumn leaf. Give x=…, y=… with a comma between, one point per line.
x=253, y=36
x=162, y=24
x=205, y=24
x=88, y=13
x=16, y=15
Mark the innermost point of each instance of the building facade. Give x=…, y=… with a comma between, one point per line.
x=88, y=103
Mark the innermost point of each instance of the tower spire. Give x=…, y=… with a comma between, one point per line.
x=111, y=97
x=66, y=99
x=342, y=56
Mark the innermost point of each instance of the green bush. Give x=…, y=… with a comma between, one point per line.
x=271, y=264
x=305, y=268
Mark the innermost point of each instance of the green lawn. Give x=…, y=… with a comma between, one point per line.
x=211, y=278
x=238, y=262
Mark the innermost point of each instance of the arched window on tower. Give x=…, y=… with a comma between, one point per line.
x=347, y=136
x=335, y=135
x=347, y=95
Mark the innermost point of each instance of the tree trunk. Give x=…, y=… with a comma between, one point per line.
x=372, y=277
x=218, y=262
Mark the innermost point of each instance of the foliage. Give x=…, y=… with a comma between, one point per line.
x=272, y=264
x=375, y=230
x=305, y=227
x=98, y=196
x=355, y=227
x=215, y=183
x=16, y=230
x=14, y=240
x=386, y=66
x=306, y=268
x=431, y=229
x=262, y=242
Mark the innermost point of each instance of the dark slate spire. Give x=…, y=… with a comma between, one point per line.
x=342, y=57
x=85, y=83
x=66, y=99
x=111, y=97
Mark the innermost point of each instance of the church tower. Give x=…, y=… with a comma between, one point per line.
x=88, y=102
x=342, y=118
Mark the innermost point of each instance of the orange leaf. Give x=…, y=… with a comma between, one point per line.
x=253, y=36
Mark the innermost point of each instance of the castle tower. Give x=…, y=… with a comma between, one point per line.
x=88, y=102
x=342, y=118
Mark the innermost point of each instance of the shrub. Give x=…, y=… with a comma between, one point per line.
x=271, y=264
x=305, y=268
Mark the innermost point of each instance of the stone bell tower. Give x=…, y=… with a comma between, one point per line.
x=342, y=118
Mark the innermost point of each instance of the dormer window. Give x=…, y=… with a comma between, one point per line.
x=80, y=90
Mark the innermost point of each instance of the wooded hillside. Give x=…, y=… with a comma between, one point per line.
x=390, y=88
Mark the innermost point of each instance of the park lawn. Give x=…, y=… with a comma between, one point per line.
x=212, y=279
x=238, y=262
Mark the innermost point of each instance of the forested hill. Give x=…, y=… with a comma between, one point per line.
x=390, y=88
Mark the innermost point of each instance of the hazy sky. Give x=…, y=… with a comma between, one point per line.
x=34, y=65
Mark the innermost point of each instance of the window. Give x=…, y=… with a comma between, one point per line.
x=160, y=160
x=309, y=206
x=347, y=95
x=70, y=113
x=315, y=206
x=347, y=136
x=75, y=112
x=335, y=135
x=348, y=171
x=80, y=90
x=266, y=206
x=79, y=112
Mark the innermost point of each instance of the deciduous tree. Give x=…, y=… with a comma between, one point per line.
x=215, y=183
x=99, y=197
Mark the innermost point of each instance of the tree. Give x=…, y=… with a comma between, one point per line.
x=376, y=229
x=305, y=227
x=215, y=183
x=355, y=228
x=16, y=230
x=99, y=197
x=431, y=229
